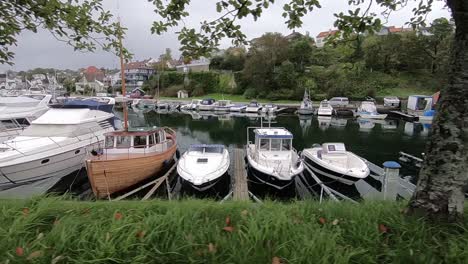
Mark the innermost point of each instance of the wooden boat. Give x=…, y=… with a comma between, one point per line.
x=130, y=157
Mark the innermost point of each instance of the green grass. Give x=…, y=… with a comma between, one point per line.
x=51, y=230
x=232, y=97
x=403, y=93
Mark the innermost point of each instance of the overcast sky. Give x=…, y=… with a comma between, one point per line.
x=43, y=50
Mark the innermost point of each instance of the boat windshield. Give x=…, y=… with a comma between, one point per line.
x=207, y=149
x=48, y=130
x=7, y=124
x=253, y=104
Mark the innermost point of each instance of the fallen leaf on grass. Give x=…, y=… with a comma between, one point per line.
x=276, y=260
x=107, y=236
x=322, y=220
x=57, y=259
x=56, y=221
x=140, y=234
x=335, y=222
x=118, y=216
x=211, y=248
x=25, y=211
x=228, y=221
x=35, y=254
x=383, y=229
x=19, y=251
x=40, y=236
x=229, y=229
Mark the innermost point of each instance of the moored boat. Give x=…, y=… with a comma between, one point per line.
x=368, y=110
x=333, y=161
x=306, y=107
x=269, y=108
x=202, y=166
x=253, y=107
x=223, y=106
x=325, y=109
x=271, y=157
x=238, y=108
x=207, y=104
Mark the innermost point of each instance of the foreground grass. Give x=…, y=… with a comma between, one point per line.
x=194, y=231
x=403, y=93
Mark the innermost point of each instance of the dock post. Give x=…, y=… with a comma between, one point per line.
x=391, y=180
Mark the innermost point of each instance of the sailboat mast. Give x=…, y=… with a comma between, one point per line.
x=122, y=76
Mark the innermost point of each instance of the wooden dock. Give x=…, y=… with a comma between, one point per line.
x=240, y=189
x=404, y=116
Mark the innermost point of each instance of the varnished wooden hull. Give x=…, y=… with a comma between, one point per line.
x=108, y=176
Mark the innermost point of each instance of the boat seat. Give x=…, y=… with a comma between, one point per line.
x=341, y=160
x=319, y=154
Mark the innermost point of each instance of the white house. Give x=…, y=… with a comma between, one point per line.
x=182, y=94
x=202, y=64
x=95, y=86
x=321, y=38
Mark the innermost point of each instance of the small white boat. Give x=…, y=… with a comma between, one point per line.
x=253, y=107
x=324, y=122
x=391, y=101
x=325, y=109
x=238, y=108
x=272, y=158
x=306, y=107
x=333, y=161
x=207, y=105
x=270, y=108
x=202, y=166
x=193, y=105
x=223, y=106
x=368, y=110
x=16, y=113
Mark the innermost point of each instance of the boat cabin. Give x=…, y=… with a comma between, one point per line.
x=254, y=104
x=368, y=106
x=224, y=102
x=138, y=141
x=333, y=148
x=207, y=101
x=419, y=103
x=333, y=153
x=273, y=139
x=14, y=123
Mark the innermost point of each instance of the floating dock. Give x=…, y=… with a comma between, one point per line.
x=240, y=190
x=404, y=116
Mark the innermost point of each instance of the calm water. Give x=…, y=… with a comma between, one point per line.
x=376, y=141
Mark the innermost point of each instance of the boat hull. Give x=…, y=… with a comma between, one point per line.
x=268, y=179
x=108, y=176
x=204, y=186
x=322, y=171
x=372, y=116
x=305, y=111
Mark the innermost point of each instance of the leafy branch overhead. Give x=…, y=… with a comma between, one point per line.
x=83, y=24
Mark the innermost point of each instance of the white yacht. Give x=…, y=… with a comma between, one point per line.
x=54, y=145
x=253, y=107
x=325, y=109
x=272, y=158
x=223, y=106
x=306, y=107
x=207, y=105
x=269, y=108
x=16, y=113
x=193, y=105
x=333, y=161
x=202, y=166
x=368, y=110
x=238, y=108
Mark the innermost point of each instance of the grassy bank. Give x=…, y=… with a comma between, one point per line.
x=195, y=231
x=232, y=97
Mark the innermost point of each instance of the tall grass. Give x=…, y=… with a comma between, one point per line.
x=52, y=230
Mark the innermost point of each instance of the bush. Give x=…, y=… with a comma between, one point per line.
x=172, y=90
x=198, y=91
x=250, y=93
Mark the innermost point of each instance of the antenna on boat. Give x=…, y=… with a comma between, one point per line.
x=122, y=77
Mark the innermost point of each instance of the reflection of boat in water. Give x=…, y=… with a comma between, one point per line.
x=305, y=121
x=367, y=125
x=272, y=159
x=224, y=117
x=202, y=166
x=390, y=124
x=324, y=122
x=338, y=122
x=333, y=161
x=412, y=129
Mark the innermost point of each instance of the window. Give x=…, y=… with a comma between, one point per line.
x=286, y=144
x=264, y=144
x=22, y=122
x=275, y=144
x=139, y=141
x=123, y=142
x=151, y=140
x=109, y=141
x=7, y=124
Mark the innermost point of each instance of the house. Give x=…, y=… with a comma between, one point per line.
x=398, y=30
x=182, y=94
x=136, y=73
x=321, y=38
x=84, y=86
x=137, y=93
x=200, y=65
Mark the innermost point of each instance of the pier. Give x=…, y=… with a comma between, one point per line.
x=240, y=190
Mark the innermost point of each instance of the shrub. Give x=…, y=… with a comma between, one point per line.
x=250, y=93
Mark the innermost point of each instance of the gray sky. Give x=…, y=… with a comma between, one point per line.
x=43, y=50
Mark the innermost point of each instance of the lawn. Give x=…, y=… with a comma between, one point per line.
x=52, y=230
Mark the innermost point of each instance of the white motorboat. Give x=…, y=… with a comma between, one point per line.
x=368, y=110
x=16, y=113
x=194, y=104
x=272, y=158
x=306, y=107
x=223, y=106
x=54, y=145
x=324, y=122
x=253, y=107
x=238, y=108
x=269, y=108
x=144, y=104
x=391, y=101
x=325, y=109
x=333, y=161
x=202, y=166
x=207, y=105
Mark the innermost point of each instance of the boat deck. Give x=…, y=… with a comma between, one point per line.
x=239, y=185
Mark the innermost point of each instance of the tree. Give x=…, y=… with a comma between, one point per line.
x=300, y=52
x=433, y=42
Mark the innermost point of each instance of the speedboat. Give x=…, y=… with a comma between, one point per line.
x=368, y=110
x=16, y=113
x=333, y=161
x=202, y=166
x=269, y=108
x=391, y=101
x=306, y=107
x=253, y=107
x=192, y=105
x=271, y=157
x=145, y=104
x=223, y=106
x=207, y=105
x=325, y=109
x=238, y=108
x=54, y=145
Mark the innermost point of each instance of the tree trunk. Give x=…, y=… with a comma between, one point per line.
x=439, y=193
